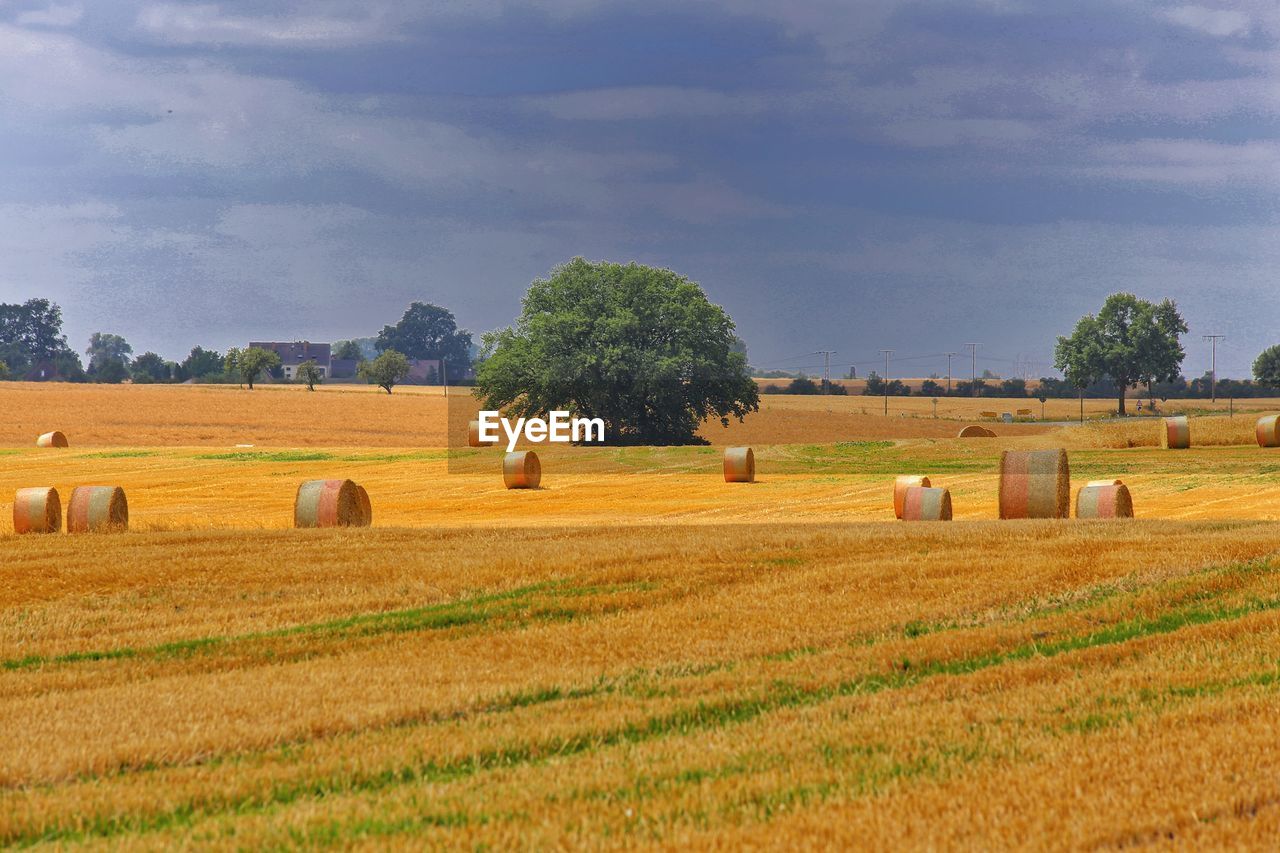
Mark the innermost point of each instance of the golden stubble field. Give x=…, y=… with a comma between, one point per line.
x=638, y=654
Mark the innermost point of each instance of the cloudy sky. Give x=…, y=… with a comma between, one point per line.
x=840, y=175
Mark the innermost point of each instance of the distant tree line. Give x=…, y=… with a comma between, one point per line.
x=1131, y=347
x=33, y=347
x=1048, y=386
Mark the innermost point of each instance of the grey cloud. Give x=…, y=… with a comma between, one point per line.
x=829, y=171
x=1216, y=22
x=210, y=24
x=53, y=15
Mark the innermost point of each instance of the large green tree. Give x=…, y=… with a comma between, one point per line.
x=149, y=367
x=1129, y=341
x=428, y=331
x=31, y=332
x=107, y=348
x=639, y=347
x=348, y=350
x=202, y=362
x=1266, y=367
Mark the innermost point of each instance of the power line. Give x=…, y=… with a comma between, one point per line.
x=826, y=369
x=886, y=353
x=1213, y=366
x=973, y=367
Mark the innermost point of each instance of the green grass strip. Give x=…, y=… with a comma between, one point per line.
x=432, y=618
x=278, y=456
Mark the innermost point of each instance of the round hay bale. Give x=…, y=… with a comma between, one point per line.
x=1034, y=484
x=739, y=465
x=37, y=510
x=97, y=509
x=900, y=485
x=1104, y=483
x=924, y=504
x=1268, y=431
x=366, y=508
x=473, y=436
x=1111, y=501
x=1176, y=434
x=328, y=503
x=52, y=439
x=521, y=470
x=975, y=431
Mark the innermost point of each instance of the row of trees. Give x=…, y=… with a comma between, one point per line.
x=33, y=346
x=644, y=350
x=31, y=341
x=1129, y=344
x=1048, y=387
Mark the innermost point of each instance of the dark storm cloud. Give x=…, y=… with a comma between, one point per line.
x=847, y=176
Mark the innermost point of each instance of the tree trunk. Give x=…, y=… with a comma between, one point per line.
x=1122, y=390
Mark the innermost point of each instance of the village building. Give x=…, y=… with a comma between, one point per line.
x=294, y=353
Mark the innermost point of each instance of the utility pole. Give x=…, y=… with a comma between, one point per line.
x=444, y=375
x=1213, y=366
x=886, y=353
x=949, y=355
x=973, y=368
x=826, y=371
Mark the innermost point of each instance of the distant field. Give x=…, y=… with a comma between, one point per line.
x=638, y=653
x=414, y=416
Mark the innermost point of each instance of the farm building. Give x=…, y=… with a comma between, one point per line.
x=295, y=353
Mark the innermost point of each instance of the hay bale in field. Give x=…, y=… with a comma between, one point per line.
x=328, y=503
x=1176, y=434
x=991, y=415
x=739, y=465
x=366, y=508
x=1104, y=483
x=473, y=436
x=52, y=439
x=975, y=431
x=1034, y=484
x=1110, y=501
x=37, y=510
x=900, y=485
x=521, y=470
x=925, y=504
x=1267, y=431
x=97, y=509
x=1024, y=413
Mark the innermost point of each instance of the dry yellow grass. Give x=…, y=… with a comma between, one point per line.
x=632, y=659
x=1210, y=431
x=570, y=686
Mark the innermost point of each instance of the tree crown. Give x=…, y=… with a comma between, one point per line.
x=430, y=332
x=641, y=348
x=1129, y=341
x=386, y=371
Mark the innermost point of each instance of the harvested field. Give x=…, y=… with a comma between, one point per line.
x=1212, y=431
x=585, y=686
x=637, y=653
x=168, y=489
x=357, y=415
